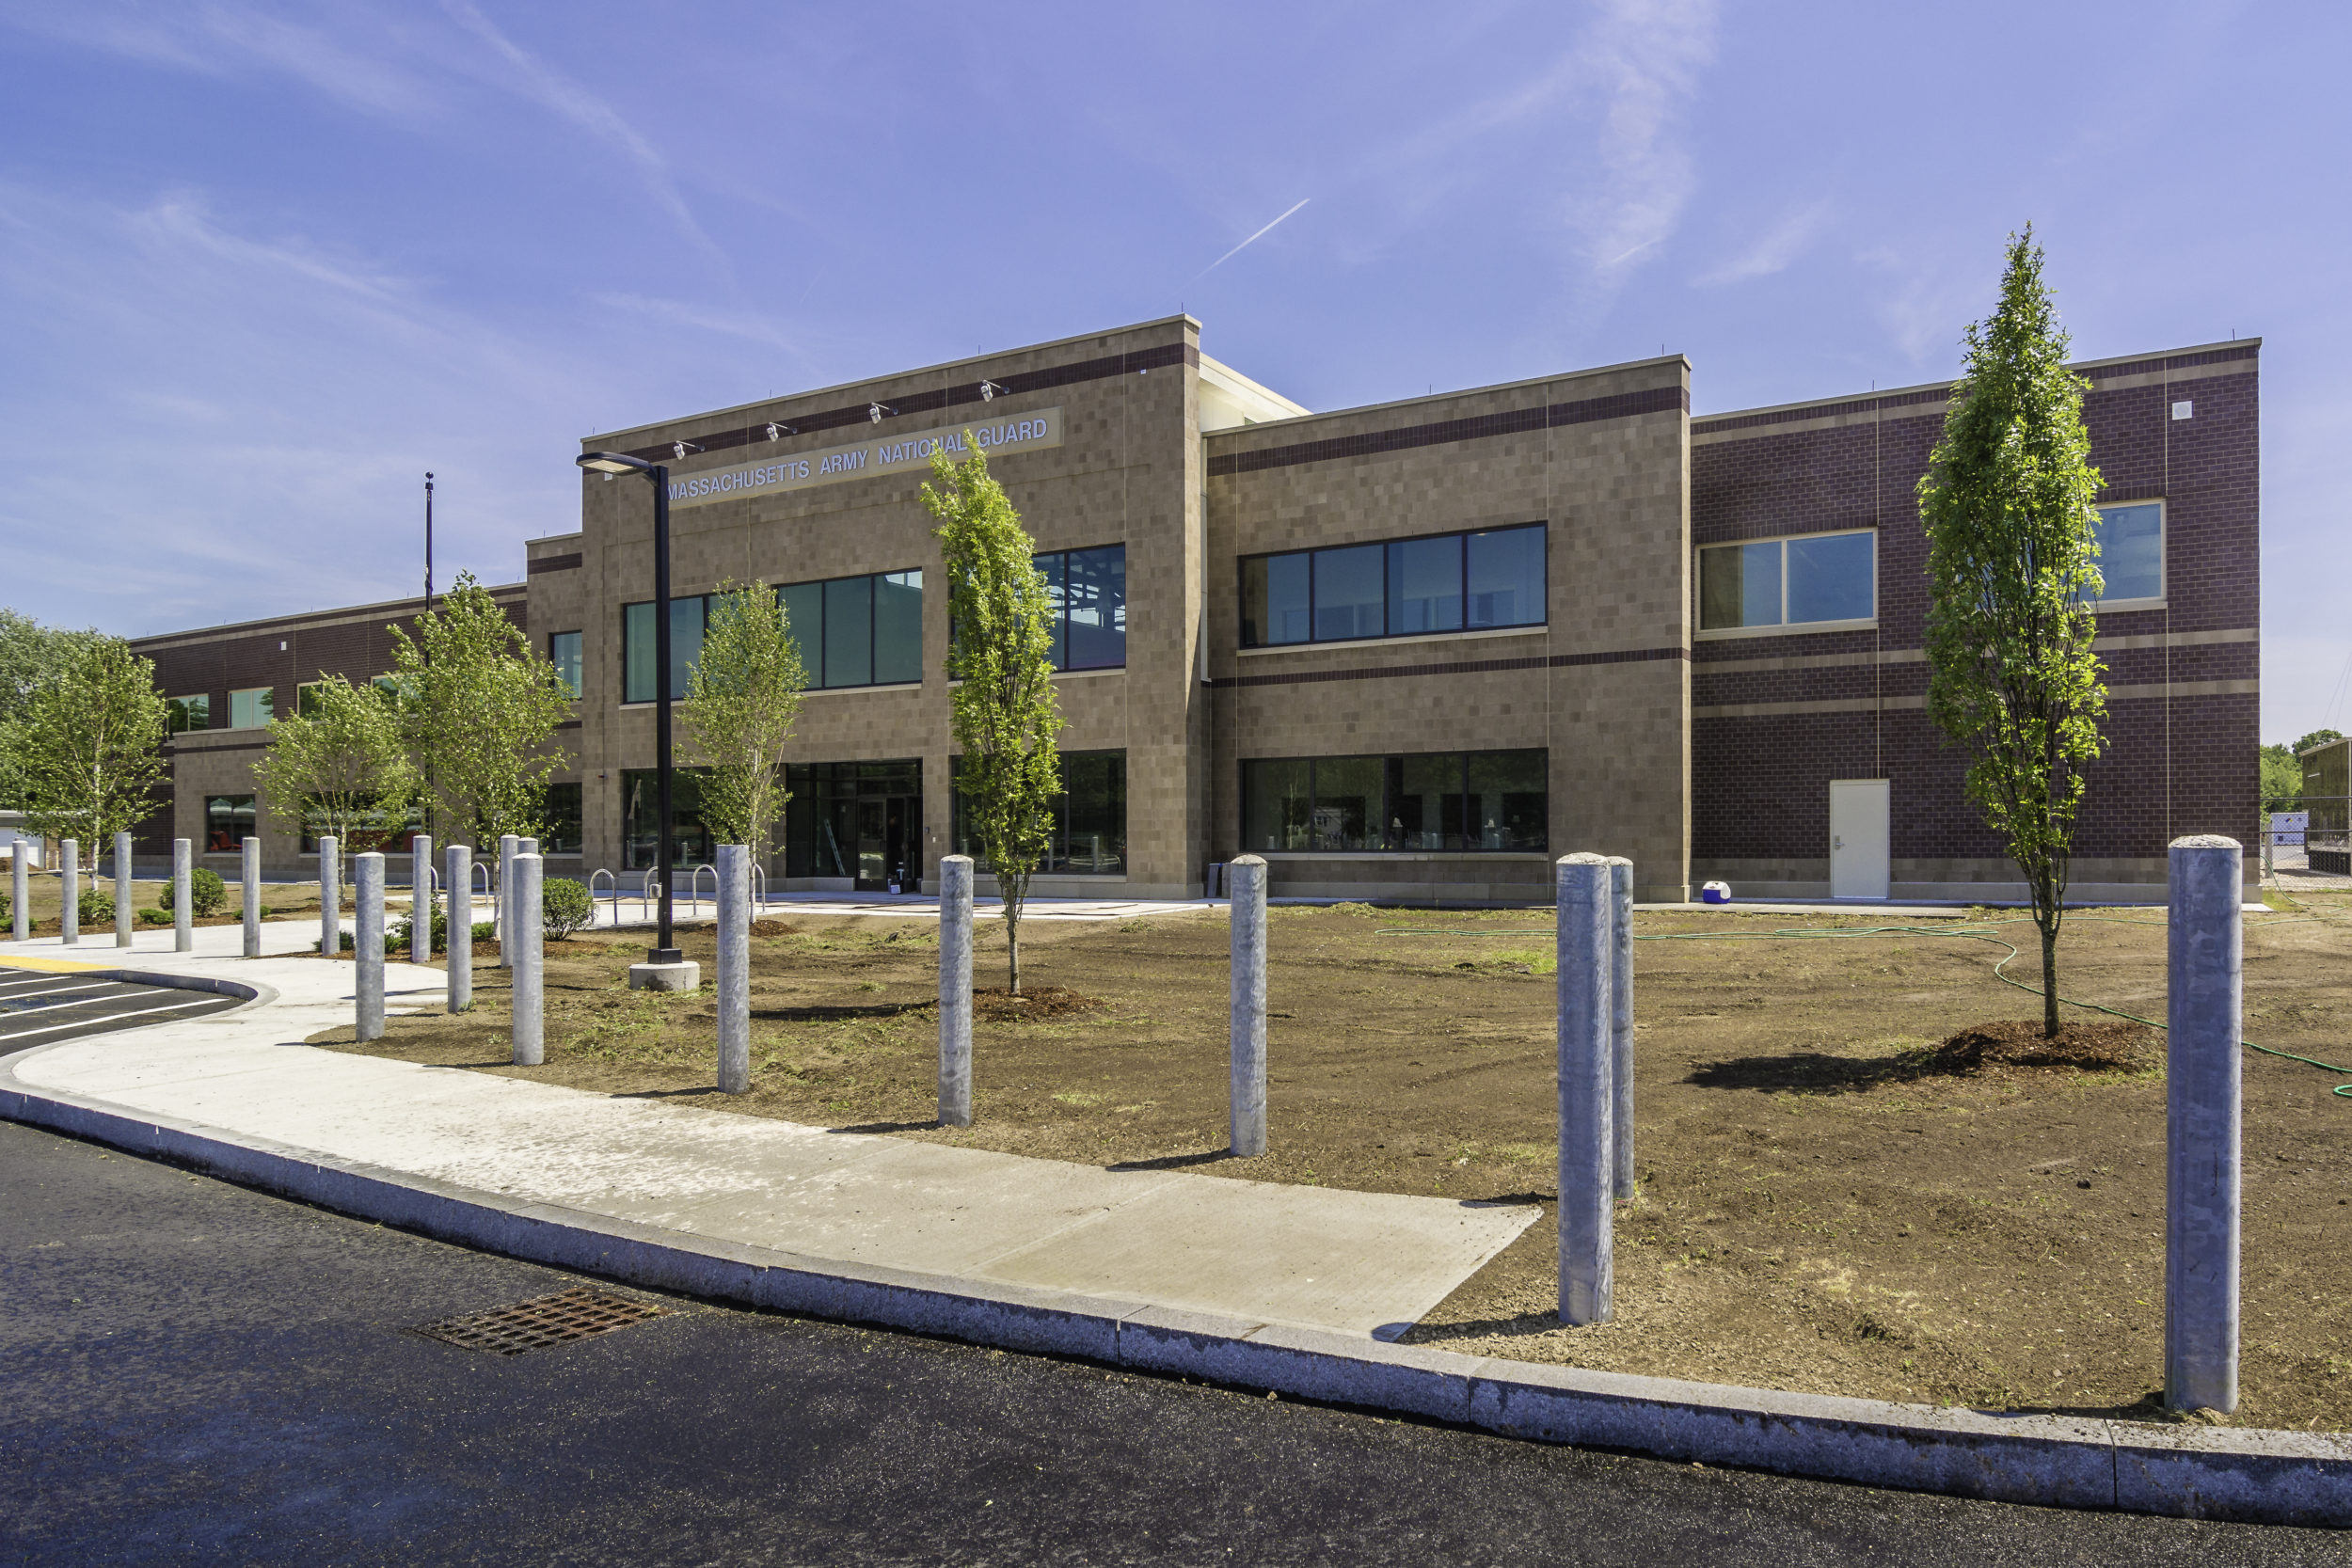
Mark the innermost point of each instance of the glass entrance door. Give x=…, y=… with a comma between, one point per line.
x=857, y=821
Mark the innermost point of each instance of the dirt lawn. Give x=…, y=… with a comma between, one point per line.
x=1828, y=1203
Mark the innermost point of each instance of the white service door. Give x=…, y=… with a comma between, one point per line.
x=1858, y=860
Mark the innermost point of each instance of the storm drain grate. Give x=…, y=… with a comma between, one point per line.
x=578, y=1313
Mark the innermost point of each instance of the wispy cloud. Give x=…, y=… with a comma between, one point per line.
x=559, y=94
x=1248, y=243
x=1642, y=60
x=1771, y=251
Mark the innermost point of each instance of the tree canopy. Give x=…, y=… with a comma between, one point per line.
x=87, y=746
x=742, y=695
x=2013, y=578
x=1000, y=652
x=478, y=712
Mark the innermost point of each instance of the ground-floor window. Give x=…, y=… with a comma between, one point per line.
x=229, y=821
x=1431, y=801
x=863, y=820
x=562, y=828
x=385, y=833
x=1090, y=833
x=640, y=818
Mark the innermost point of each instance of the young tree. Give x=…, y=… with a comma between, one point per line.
x=32, y=657
x=87, y=747
x=2014, y=576
x=1003, y=715
x=341, y=766
x=742, y=696
x=478, y=709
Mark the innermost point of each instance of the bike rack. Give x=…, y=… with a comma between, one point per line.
x=614, y=894
x=648, y=895
x=694, y=887
x=759, y=886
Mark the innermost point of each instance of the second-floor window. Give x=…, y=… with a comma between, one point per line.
x=250, y=709
x=189, y=713
x=858, y=631
x=1446, y=582
x=1816, y=578
x=563, y=653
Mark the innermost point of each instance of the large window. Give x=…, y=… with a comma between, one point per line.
x=384, y=831
x=1822, y=578
x=1088, y=589
x=250, y=709
x=2131, y=551
x=1090, y=833
x=562, y=825
x=189, y=713
x=563, y=653
x=640, y=820
x=1404, y=588
x=859, y=631
x=229, y=821
x=638, y=647
x=1434, y=800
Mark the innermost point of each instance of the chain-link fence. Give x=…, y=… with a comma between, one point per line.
x=2307, y=838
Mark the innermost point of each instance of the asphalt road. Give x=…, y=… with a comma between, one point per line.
x=198, y=1373
x=37, y=1007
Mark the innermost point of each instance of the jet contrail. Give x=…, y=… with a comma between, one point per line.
x=1245, y=243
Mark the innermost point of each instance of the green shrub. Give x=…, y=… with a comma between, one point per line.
x=155, y=917
x=97, y=907
x=564, y=907
x=485, y=930
x=396, y=939
x=6, y=908
x=207, y=892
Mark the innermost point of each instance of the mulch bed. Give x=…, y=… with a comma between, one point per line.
x=2013, y=1045
x=1038, y=1002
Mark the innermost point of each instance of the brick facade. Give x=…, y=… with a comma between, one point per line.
x=1696, y=754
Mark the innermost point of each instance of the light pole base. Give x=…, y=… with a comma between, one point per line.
x=685, y=974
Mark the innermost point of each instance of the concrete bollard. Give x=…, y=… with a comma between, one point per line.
x=250, y=895
x=2203, y=952
x=20, y=876
x=458, y=888
x=183, y=895
x=1587, y=1171
x=367, y=943
x=955, y=990
x=525, y=944
x=502, y=910
x=1245, y=879
x=1621, y=1025
x=123, y=890
x=734, y=969
x=69, y=892
x=420, y=899
x=330, y=898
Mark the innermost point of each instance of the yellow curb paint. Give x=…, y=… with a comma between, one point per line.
x=53, y=966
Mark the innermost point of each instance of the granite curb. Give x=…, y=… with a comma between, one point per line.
x=2188, y=1471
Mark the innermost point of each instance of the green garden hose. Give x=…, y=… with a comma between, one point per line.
x=1980, y=931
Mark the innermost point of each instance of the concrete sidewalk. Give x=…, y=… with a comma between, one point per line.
x=1359, y=1263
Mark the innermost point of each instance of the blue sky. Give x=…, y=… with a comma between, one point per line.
x=261, y=265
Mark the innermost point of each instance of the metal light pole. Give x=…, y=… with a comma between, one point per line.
x=665, y=951
x=428, y=540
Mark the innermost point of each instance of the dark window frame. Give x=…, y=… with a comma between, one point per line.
x=1391, y=764
x=1062, y=638
x=1241, y=585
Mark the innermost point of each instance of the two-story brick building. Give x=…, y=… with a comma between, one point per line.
x=1407, y=650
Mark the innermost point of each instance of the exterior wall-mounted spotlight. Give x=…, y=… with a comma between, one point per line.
x=989, y=391
x=680, y=448
x=777, y=430
x=874, y=411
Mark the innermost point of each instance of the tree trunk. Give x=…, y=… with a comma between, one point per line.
x=2049, y=982
x=1012, y=937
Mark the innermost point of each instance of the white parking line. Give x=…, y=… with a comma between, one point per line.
x=63, y=991
x=11, y=1036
